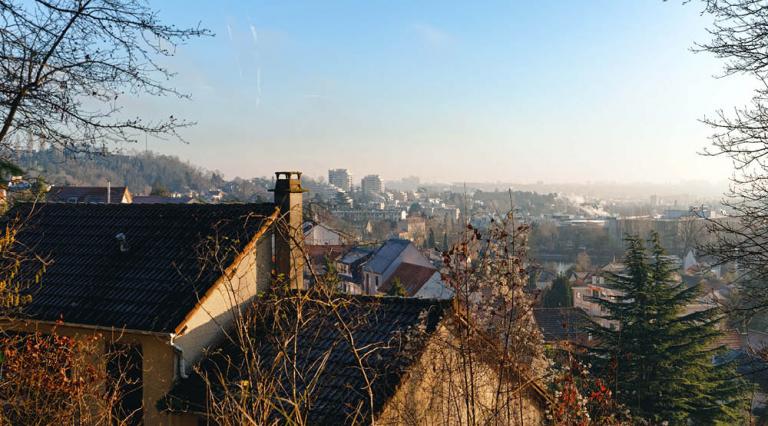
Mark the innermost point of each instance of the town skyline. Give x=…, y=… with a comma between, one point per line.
x=483, y=89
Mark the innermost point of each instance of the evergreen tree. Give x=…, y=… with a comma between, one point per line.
x=397, y=288
x=445, y=241
x=431, y=238
x=659, y=359
x=560, y=295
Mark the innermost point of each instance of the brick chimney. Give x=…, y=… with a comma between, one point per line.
x=289, y=238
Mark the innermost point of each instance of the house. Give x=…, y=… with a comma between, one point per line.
x=422, y=282
x=317, y=234
x=385, y=261
x=350, y=269
x=89, y=194
x=398, y=347
x=162, y=280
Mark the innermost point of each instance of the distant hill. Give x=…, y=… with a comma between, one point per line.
x=141, y=172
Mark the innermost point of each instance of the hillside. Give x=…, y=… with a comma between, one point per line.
x=140, y=172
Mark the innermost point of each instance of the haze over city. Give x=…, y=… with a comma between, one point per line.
x=450, y=91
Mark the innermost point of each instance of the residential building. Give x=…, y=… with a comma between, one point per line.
x=421, y=282
x=401, y=342
x=385, y=261
x=350, y=269
x=371, y=184
x=162, y=280
x=89, y=194
x=340, y=178
x=317, y=234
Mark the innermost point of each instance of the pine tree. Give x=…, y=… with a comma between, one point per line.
x=560, y=295
x=431, y=239
x=657, y=358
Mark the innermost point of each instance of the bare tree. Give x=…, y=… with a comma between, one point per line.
x=65, y=65
x=739, y=36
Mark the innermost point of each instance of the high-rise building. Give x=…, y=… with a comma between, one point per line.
x=340, y=178
x=371, y=184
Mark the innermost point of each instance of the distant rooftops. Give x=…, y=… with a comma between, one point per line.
x=412, y=278
x=89, y=195
x=385, y=255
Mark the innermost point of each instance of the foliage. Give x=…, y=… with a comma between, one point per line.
x=53, y=379
x=581, y=398
x=560, y=295
x=20, y=270
x=68, y=64
x=397, y=288
x=658, y=358
x=431, y=239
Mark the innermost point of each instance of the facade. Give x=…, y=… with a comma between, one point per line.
x=372, y=184
x=317, y=234
x=160, y=279
x=340, y=178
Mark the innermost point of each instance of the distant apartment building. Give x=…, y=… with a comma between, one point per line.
x=372, y=184
x=340, y=178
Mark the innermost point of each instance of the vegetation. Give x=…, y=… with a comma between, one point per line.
x=658, y=358
x=397, y=288
x=560, y=295
x=68, y=65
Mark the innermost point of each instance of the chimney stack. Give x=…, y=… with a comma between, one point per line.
x=289, y=238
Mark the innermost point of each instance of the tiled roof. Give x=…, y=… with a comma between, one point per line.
x=355, y=254
x=561, y=324
x=385, y=255
x=151, y=285
x=385, y=326
x=411, y=276
x=85, y=194
x=156, y=199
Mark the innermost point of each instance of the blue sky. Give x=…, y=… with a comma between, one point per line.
x=559, y=91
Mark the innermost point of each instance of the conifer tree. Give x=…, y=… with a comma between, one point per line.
x=397, y=288
x=559, y=296
x=658, y=359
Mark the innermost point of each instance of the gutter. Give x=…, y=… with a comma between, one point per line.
x=180, y=363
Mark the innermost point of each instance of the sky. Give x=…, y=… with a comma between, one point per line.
x=510, y=91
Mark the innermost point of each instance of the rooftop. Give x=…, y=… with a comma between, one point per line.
x=411, y=276
x=386, y=327
x=385, y=255
x=152, y=281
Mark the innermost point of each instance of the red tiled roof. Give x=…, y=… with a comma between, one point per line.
x=411, y=276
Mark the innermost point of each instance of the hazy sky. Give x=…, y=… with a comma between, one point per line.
x=518, y=91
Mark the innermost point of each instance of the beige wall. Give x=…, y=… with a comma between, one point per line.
x=216, y=313
x=431, y=394
x=157, y=362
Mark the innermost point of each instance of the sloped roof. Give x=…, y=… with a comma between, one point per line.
x=154, y=283
x=383, y=328
x=561, y=324
x=385, y=255
x=412, y=277
x=86, y=194
x=355, y=254
x=157, y=199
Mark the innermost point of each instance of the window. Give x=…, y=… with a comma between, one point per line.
x=125, y=372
